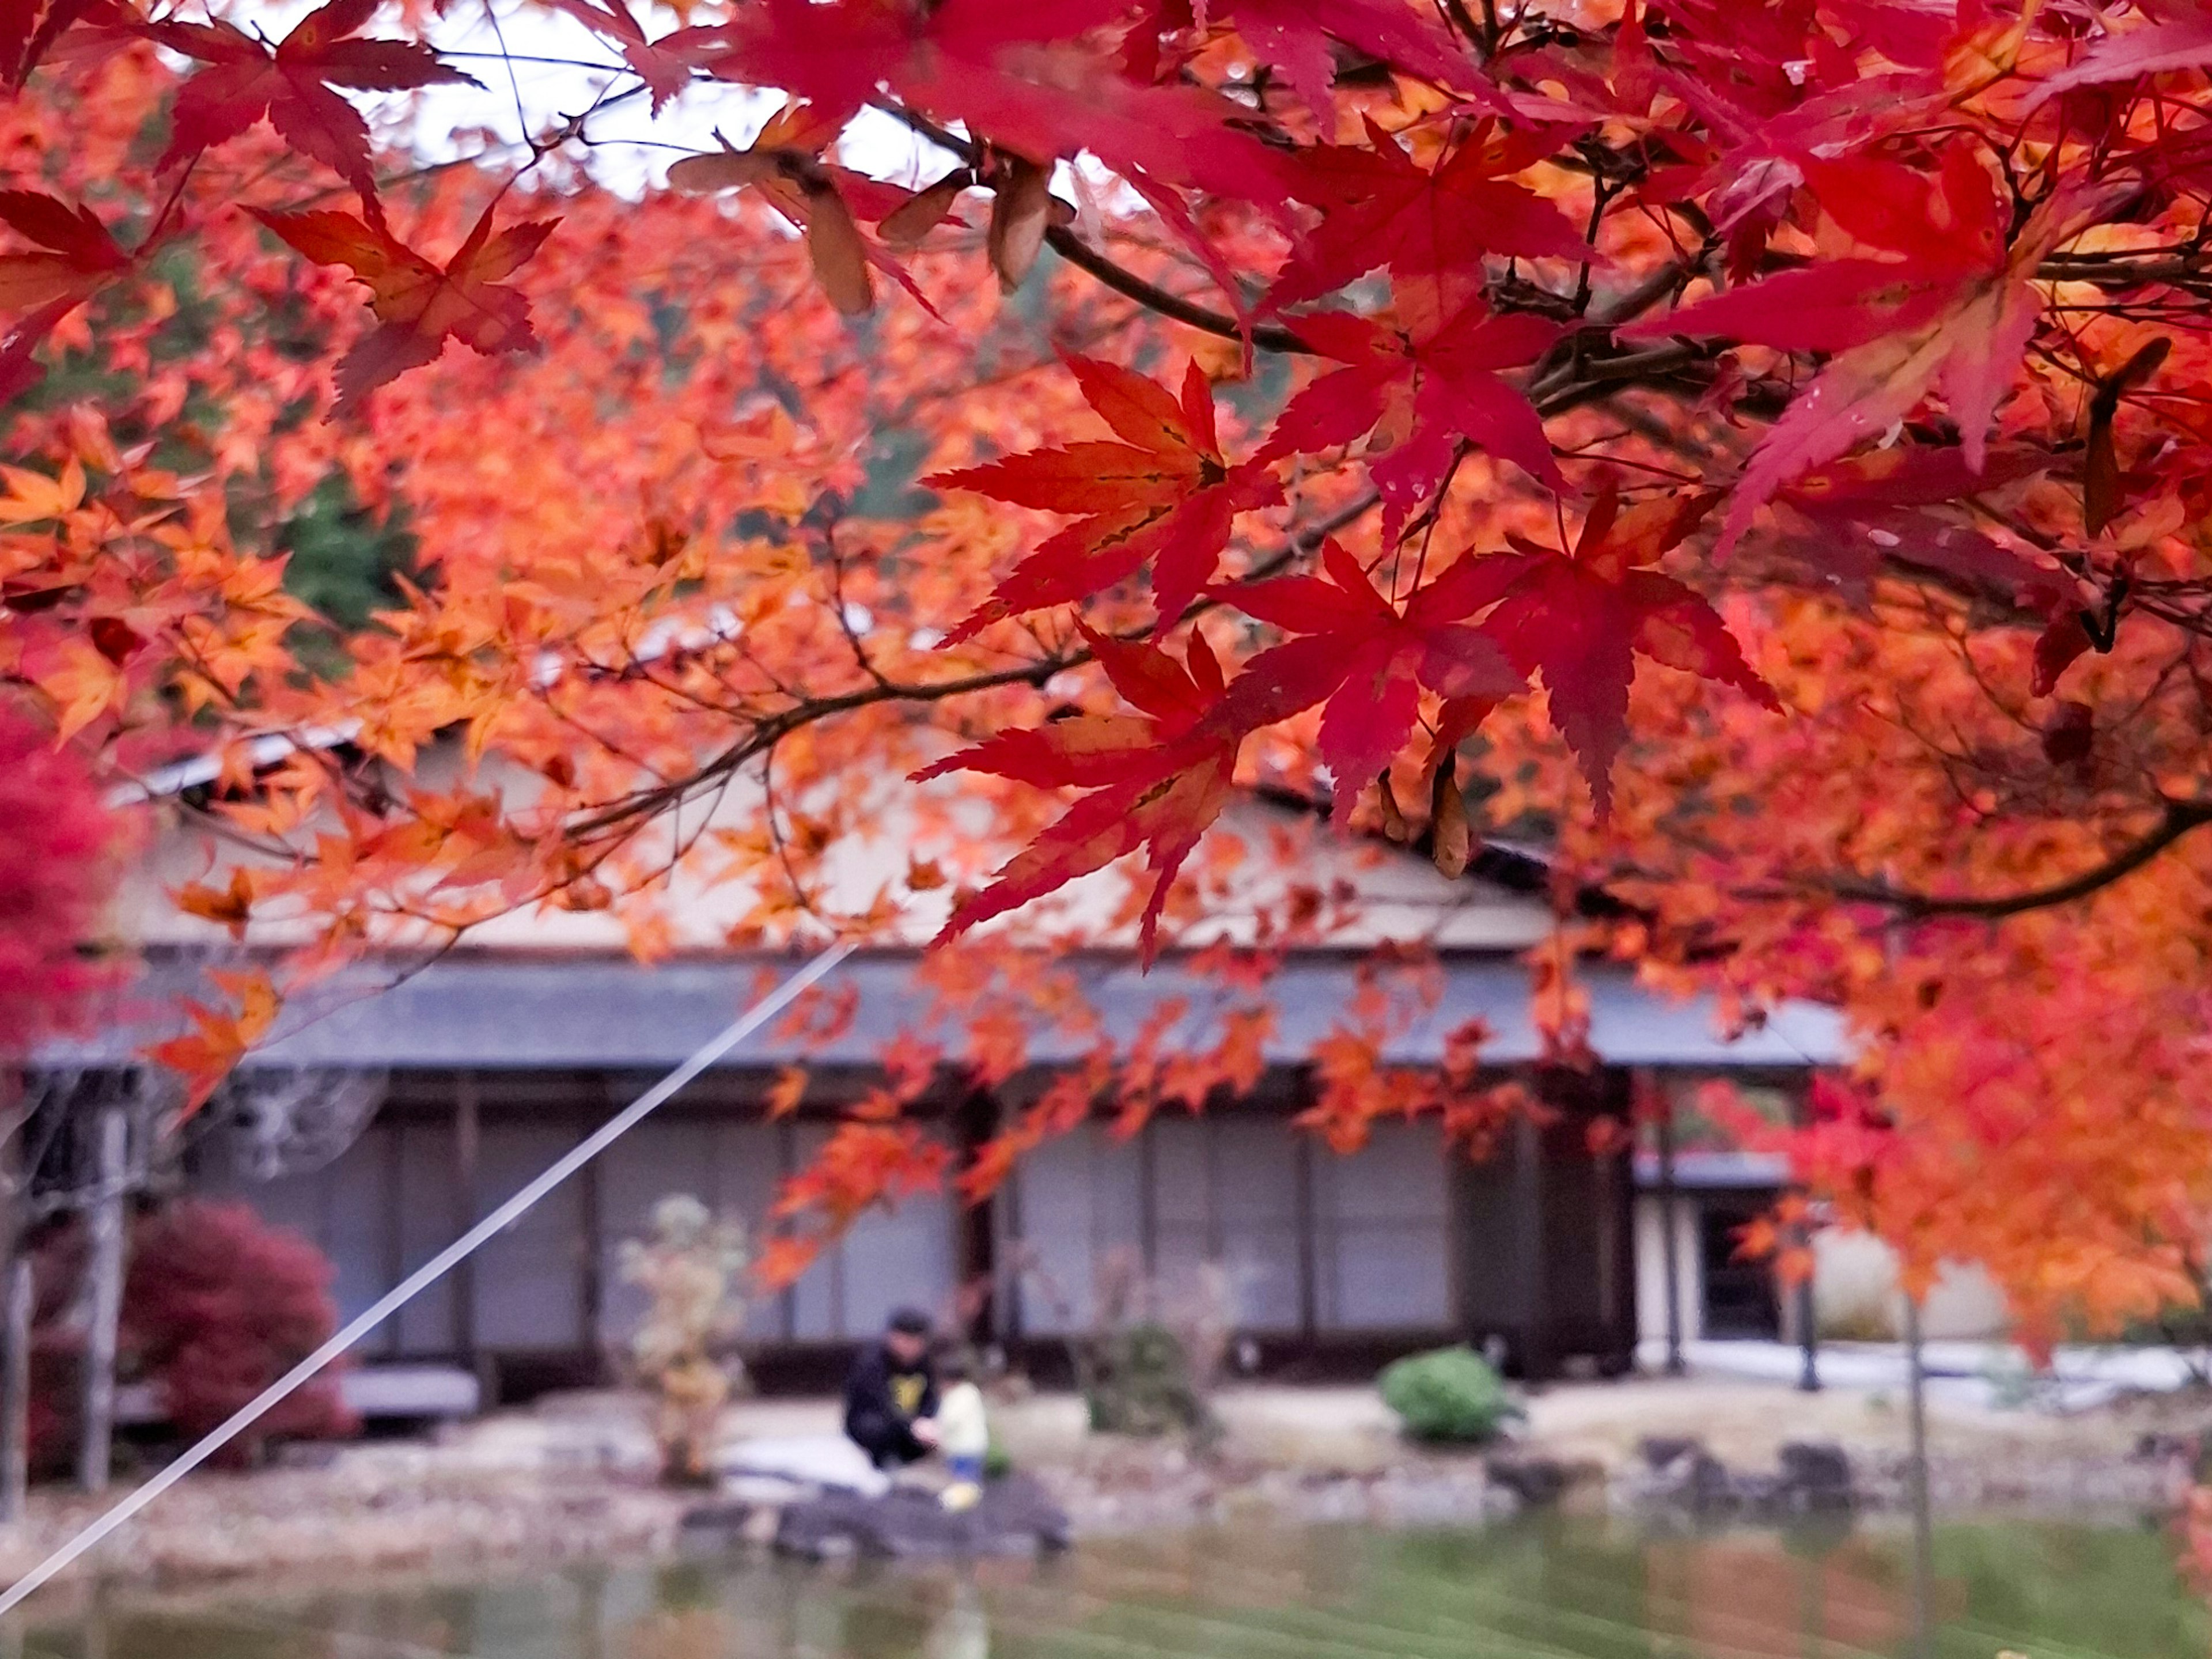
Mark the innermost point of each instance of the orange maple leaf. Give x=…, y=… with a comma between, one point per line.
x=784, y=1260
x=207, y=1055
x=231, y=906
x=787, y=1091
x=417, y=305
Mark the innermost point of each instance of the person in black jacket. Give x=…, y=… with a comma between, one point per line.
x=890, y=1396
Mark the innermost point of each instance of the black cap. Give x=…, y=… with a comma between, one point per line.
x=908, y=1322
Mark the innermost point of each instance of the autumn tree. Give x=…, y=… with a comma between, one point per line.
x=1755, y=448
x=57, y=856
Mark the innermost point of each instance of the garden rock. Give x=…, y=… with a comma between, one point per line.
x=1015, y=1516
x=1680, y=1476
x=827, y=1462
x=1537, y=1482
x=1685, y=1476
x=1815, y=1476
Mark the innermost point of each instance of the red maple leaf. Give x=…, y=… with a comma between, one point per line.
x=1296, y=35
x=2182, y=41
x=1157, y=779
x=1367, y=661
x=1873, y=508
x=30, y=28
x=291, y=83
x=72, y=257
x=1380, y=208
x=1581, y=619
x=1952, y=311
x=1421, y=395
x=664, y=65
x=1164, y=493
x=417, y=305
x=1014, y=74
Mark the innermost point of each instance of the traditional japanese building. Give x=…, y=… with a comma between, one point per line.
x=399, y=1103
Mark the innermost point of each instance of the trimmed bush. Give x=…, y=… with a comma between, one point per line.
x=1448, y=1396
x=217, y=1305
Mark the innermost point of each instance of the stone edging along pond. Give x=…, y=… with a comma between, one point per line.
x=368, y=1508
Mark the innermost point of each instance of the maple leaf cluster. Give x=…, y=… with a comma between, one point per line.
x=1755, y=451
x=60, y=853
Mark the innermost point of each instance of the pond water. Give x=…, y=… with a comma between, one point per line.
x=1557, y=1590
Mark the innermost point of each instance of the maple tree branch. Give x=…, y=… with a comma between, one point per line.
x=1266, y=337
x=771, y=730
x=2177, y=819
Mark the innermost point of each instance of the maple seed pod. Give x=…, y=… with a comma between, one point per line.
x=585, y=893
x=1394, y=817
x=905, y=226
x=1021, y=212
x=2101, y=498
x=833, y=242
x=801, y=186
x=2070, y=734
x=1452, y=837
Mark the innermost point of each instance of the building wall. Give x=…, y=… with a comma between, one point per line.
x=1400, y=1243
x=1304, y=1236
x=1855, y=1294
x=1651, y=1270
x=552, y=1282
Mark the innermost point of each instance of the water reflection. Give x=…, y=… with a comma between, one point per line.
x=1561, y=1589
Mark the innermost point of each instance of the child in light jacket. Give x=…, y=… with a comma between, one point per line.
x=963, y=1433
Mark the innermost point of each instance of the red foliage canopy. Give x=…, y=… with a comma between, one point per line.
x=1842, y=358
x=57, y=860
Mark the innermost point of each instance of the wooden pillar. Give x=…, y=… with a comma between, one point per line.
x=104, y=1269
x=15, y=1385
x=786, y=1155
x=16, y=1308
x=1924, y=1537
x=395, y=1233
x=1528, y=1235
x=591, y=1288
x=975, y=1244
x=1670, y=1231
x=468, y=1145
x=1808, y=1331
x=1148, y=1199
x=1620, y=1336
x=1309, y=1251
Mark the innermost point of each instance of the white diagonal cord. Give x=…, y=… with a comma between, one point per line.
x=428, y=1274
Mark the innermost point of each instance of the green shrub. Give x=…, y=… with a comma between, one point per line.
x=1448, y=1395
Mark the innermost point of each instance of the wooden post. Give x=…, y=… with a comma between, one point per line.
x=1308, y=1245
x=1670, y=1230
x=1808, y=1331
x=468, y=1139
x=1529, y=1231
x=976, y=1244
x=591, y=1266
x=104, y=1268
x=95, y=1628
x=1923, y=1542
x=15, y=1385
x=18, y=1295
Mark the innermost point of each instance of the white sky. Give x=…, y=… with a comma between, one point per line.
x=543, y=82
